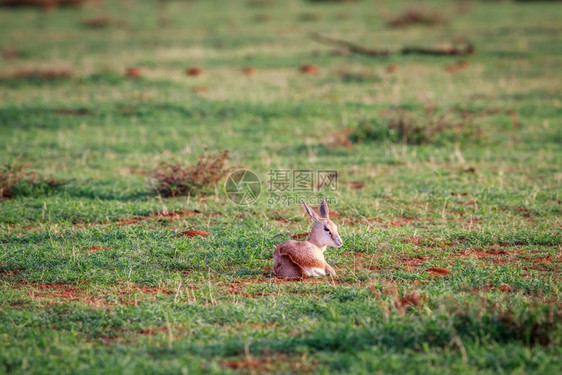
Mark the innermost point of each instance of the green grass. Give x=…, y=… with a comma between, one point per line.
x=93, y=280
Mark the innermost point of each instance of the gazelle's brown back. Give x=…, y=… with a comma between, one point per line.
x=309, y=254
x=284, y=266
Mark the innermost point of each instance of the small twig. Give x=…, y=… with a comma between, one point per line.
x=467, y=49
x=351, y=47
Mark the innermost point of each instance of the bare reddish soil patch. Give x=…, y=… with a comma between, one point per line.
x=277, y=217
x=64, y=293
x=152, y=331
x=524, y=212
x=195, y=71
x=133, y=72
x=392, y=69
x=455, y=68
x=61, y=293
x=146, y=290
x=260, y=365
x=438, y=271
x=499, y=260
x=195, y=232
x=239, y=289
x=249, y=71
x=53, y=294
x=473, y=221
x=236, y=289
x=547, y=259
x=309, y=69
x=10, y=273
x=414, y=240
x=93, y=249
x=274, y=362
x=129, y=221
x=478, y=253
x=358, y=221
x=402, y=221
x=199, y=89
x=174, y=214
x=415, y=261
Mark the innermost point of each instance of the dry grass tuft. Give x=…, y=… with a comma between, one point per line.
x=533, y=326
x=15, y=180
x=409, y=300
x=194, y=72
x=10, y=176
x=415, y=15
x=431, y=126
x=175, y=179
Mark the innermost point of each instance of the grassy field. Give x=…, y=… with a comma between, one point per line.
x=448, y=198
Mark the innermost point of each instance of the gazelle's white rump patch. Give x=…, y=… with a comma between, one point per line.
x=314, y=271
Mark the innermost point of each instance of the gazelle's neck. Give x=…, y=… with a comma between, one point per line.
x=313, y=239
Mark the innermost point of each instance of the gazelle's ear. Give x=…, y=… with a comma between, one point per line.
x=313, y=215
x=324, y=211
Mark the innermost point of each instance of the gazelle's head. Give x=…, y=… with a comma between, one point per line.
x=324, y=232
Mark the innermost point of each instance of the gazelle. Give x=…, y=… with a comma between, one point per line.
x=306, y=258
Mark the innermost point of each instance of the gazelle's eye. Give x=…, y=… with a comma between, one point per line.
x=326, y=229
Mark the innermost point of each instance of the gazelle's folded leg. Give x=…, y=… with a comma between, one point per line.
x=329, y=270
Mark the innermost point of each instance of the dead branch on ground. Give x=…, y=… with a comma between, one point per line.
x=464, y=50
